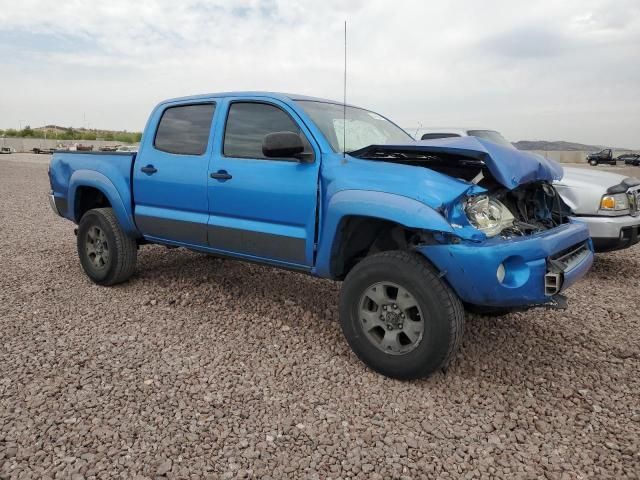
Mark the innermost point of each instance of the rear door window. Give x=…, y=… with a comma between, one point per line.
x=184, y=130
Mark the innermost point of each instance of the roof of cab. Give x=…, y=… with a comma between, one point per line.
x=276, y=95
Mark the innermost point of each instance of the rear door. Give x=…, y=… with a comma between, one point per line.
x=170, y=174
x=263, y=208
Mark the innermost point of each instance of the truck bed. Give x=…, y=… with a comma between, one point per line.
x=100, y=170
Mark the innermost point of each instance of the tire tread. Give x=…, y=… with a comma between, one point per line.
x=454, y=309
x=126, y=248
x=454, y=305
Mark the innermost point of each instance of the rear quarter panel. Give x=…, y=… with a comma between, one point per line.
x=110, y=173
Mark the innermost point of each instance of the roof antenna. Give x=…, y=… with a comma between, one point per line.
x=417, y=130
x=344, y=101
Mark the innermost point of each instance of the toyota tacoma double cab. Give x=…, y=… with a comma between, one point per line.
x=416, y=233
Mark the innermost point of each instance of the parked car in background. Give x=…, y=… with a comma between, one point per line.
x=629, y=159
x=414, y=231
x=43, y=151
x=108, y=148
x=603, y=156
x=452, y=132
x=127, y=148
x=606, y=202
x=74, y=147
x=7, y=150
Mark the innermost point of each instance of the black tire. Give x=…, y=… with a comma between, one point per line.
x=442, y=314
x=593, y=163
x=119, y=261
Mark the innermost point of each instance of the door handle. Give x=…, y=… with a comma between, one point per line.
x=221, y=175
x=149, y=169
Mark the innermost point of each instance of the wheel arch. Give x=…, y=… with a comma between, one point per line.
x=88, y=182
x=370, y=218
x=87, y=198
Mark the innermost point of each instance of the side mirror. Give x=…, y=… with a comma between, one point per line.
x=282, y=145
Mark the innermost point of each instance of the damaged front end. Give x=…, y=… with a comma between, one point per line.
x=510, y=191
x=516, y=244
x=529, y=209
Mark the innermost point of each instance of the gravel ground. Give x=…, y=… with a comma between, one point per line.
x=206, y=368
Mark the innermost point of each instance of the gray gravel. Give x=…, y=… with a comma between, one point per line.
x=208, y=368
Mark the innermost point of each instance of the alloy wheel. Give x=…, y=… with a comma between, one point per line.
x=391, y=318
x=97, y=247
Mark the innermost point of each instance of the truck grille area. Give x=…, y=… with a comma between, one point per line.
x=535, y=207
x=561, y=262
x=634, y=199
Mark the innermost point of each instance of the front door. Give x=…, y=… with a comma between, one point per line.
x=262, y=208
x=170, y=175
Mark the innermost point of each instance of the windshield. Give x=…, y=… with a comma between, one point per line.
x=363, y=128
x=490, y=135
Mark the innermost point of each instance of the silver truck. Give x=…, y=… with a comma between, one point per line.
x=605, y=201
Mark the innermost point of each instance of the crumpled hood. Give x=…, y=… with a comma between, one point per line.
x=510, y=167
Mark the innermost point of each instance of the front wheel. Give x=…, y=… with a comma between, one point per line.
x=399, y=317
x=593, y=163
x=107, y=255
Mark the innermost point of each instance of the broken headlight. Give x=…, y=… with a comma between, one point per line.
x=488, y=215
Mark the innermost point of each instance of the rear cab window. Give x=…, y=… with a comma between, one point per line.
x=435, y=136
x=490, y=135
x=184, y=129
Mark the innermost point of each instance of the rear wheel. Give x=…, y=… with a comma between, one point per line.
x=399, y=317
x=107, y=255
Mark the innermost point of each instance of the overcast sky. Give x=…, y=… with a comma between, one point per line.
x=552, y=70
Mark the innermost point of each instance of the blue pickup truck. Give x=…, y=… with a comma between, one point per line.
x=416, y=232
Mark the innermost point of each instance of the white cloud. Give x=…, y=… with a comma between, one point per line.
x=553, y=70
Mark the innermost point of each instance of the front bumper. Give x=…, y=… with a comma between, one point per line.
x=612, y=233
x=472, y=268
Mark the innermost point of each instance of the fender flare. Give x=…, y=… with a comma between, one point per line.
x=379, y=205
x=99, y=181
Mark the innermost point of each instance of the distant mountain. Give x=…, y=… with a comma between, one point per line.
x=557, y=146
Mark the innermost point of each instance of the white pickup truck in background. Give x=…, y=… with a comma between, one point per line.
x=605, y=201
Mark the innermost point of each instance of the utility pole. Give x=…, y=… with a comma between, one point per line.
x=22, y=138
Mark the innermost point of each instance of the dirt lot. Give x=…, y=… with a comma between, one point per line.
x=208, y=368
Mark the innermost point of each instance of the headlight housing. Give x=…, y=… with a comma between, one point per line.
x=488, y=215
x=618, y=202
